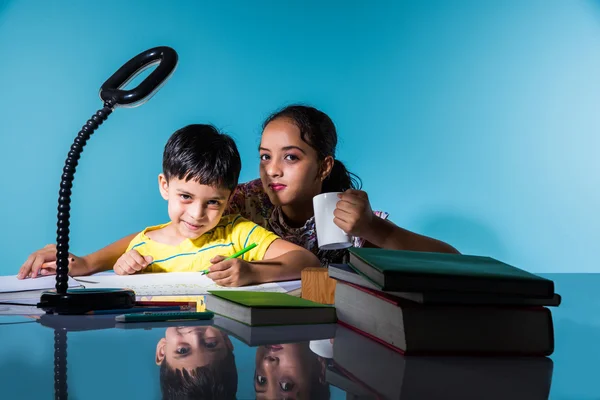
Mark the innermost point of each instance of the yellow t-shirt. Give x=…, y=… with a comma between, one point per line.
x=232, y=234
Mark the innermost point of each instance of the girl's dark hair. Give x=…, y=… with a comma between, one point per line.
x=318, y=130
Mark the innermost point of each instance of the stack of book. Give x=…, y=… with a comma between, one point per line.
x=433, y=303
x=259, y=318
x=268, y=308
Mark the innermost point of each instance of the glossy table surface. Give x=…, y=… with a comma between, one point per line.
x=106, y=360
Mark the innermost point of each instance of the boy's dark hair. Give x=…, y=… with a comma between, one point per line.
x=318, y=130
x=202, y=153
x=218, y=380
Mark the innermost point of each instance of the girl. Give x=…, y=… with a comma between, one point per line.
x=290, y=371
x=297, y=162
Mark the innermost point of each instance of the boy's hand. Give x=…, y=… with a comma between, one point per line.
x=43, y=262
x=131, y=262
x=353, y=213
x=233, y=272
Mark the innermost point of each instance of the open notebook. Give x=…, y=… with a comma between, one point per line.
x=26, y=292
x=174, y=283
x=12, y=288
x=147, y=287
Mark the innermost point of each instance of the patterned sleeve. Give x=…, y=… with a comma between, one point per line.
x=251, y=202
x=236, y=203
x=360, y=242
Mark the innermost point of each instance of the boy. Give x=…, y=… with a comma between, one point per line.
x=196, y=362
x=200, y=171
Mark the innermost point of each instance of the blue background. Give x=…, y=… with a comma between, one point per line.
x=473, y=122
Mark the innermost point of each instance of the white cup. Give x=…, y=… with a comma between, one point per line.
x=329, y=235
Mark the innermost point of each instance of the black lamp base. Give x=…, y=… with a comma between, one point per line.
x=80, y=301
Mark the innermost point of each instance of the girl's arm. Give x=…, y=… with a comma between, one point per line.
x=386, y=235
x=43, y=261
x=105, y=258
x=353, y=214
x=283, y=261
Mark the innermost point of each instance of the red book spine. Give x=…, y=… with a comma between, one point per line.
x=386, y=344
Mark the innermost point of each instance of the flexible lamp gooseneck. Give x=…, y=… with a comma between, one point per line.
x=79, y=301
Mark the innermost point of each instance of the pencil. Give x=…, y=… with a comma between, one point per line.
x=165, y=303
x=167, y=316
x=134, y=310
x=239, y=253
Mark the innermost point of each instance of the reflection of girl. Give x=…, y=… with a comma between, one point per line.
x=290, y=371
x=196, y=362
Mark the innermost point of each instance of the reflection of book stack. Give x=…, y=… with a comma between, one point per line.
x=430, y=303
x=263, y=335
x=390, y=375
x=354, y=389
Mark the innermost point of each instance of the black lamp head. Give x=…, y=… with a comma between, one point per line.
x=79, y=301
x=111, y=91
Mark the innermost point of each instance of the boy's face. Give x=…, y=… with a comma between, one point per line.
x=284, y=371
x=190, y=347
x=194, y=209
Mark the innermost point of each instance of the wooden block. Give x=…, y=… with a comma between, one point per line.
x=317, y=286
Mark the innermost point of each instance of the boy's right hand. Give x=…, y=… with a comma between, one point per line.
x=131, y=262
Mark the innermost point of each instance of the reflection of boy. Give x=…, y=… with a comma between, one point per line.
x=290, y=371
x=196, y=362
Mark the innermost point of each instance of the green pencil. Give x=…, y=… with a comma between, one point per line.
x=164, y=316
x=239, y=253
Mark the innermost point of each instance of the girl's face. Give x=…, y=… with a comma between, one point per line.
x=284, y=371
x=290, y=170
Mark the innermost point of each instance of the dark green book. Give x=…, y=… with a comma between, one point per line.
x=268, y=308
x=412, y=271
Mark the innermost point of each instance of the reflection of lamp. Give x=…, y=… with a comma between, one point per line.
x=79, y=301
x=61, y=325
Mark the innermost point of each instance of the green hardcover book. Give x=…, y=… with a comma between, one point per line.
x=268, y=308
x=411, y=271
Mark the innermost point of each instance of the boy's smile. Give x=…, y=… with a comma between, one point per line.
x=194, y=209
x=192, y=227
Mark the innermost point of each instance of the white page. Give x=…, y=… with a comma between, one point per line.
x=168, y=284
x=21, y=310
x=10, y=283
x=289, y=286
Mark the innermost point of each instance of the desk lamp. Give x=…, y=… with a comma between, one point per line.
x=79, y=301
